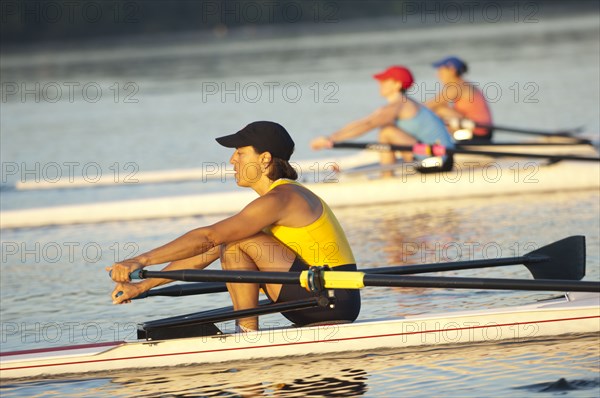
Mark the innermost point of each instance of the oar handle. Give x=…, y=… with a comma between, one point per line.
x=135, y=275
x=141, y=296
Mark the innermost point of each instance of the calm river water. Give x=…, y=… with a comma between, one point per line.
x=161, y=105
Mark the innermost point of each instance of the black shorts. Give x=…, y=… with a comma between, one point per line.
x=347, y=301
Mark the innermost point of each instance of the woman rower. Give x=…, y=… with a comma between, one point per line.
x=459, y=99
x=287, y=228
x=403, y=121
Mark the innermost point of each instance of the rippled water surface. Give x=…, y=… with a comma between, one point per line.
x=54, y=290
x=546, y=368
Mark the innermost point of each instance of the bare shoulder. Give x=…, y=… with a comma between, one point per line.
x=300, y=202
x=288, y=192
x=384, y=115
x=390, y=108
x=276, y=200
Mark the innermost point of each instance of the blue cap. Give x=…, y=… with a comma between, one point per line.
x=454, y=62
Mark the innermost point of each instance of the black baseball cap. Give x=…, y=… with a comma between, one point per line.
x=264, y=137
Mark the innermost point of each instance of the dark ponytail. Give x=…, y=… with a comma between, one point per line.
x=281, y=169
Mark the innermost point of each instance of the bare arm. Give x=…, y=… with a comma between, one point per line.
x=131, y=290
x=380, y=118
x=260, y=213
x=438, y=100
x=450, y=93
x=200, y=261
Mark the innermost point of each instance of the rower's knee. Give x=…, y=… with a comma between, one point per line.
x=387, y=134
x=231, y=255
x=238, y=254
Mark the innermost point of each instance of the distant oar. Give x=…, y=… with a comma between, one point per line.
x=460, y=144
x=438, y=150
x=556, y=133
x=471, y=124
x=563, y=259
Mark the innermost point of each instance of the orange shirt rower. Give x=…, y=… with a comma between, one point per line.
x=460, y=99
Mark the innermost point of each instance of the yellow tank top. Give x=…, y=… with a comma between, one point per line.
x=321, y=243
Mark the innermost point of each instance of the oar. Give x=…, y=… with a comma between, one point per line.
x=522, y=144
x=568, y=133
x=438, y=150
x=358, y=280
x=563, y=259
x=551, y=255
x=557, y=133
x=187, y=289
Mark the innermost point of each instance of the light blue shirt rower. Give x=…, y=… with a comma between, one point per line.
x=427, y=128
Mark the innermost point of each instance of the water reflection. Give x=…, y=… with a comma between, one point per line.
x=348, y=383
x=404, y=246
x=292, y=378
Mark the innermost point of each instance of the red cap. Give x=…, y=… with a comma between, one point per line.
x=397, y=73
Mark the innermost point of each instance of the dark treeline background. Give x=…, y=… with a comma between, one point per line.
x=26, y=21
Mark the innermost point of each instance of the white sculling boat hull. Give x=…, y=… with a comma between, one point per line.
x=578, y=314
x=474, y=178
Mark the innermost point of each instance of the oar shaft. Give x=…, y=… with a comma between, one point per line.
x=224, y=276
x=185, y=289
x=218, y=287
x=189, y=289
x=560, y=260
x=478, y=283
x=374, y=146
x=356, y=280
x=460, y=144
x=521, y=155
x=276, y=277
x=559, y=133
x=454, y=266
x=390, y=147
